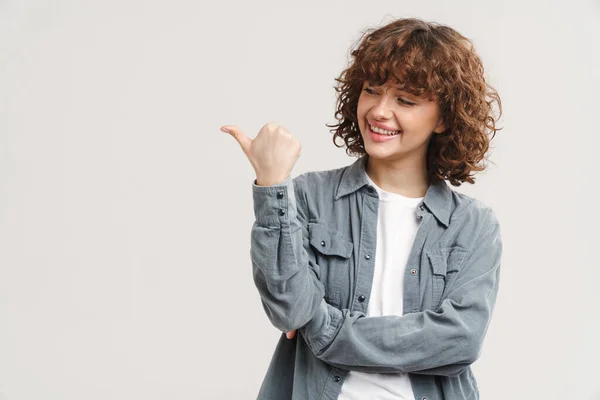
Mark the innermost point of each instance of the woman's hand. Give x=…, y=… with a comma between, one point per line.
x=272, y=153
x=290, y=334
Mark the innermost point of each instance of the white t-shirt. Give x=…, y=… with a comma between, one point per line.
x=397, y=225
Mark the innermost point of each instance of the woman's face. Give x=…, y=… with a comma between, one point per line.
x=413, y=119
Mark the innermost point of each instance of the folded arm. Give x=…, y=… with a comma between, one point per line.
x=441, y=342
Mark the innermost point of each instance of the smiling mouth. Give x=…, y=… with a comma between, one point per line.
x=383, y=132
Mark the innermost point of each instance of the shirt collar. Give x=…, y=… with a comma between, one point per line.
x=438, y=198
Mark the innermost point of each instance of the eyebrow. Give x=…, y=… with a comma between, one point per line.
x=398, y=88
x=406, y=93
x=401, y=90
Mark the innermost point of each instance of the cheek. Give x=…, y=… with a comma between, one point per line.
x=415, y=120
x=360, y=113
x=408, y=120
x=427, y=117
x=360, y=106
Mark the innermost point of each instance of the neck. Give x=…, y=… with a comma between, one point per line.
x=399, y=177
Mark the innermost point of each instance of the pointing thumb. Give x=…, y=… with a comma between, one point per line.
x=238, y=135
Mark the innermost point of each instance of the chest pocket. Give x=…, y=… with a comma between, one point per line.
x=445, y=262
x=332, y=253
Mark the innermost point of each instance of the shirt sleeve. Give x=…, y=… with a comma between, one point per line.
x=432, y=342
x=284, y=274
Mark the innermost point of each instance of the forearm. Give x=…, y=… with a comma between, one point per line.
x=390, y=344
x=285, y=278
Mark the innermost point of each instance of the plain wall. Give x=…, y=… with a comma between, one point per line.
x=125, y=213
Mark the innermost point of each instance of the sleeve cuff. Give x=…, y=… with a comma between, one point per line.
x=275, y=204
x=320, y=331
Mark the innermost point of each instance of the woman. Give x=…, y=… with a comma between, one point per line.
x=389, y=275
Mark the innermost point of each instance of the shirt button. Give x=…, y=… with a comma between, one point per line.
x=323, y=243
x=361, y=298
x=280, y=195
x=367, y=256
x=337, y=378
x=413, y=271
x=423, y=398
x=281, y=212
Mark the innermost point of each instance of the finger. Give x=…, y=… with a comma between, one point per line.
x=290, y=334
x=238, y=135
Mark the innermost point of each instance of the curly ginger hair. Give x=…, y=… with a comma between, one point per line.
x=429, y=60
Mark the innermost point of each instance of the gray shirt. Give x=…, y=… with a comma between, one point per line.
x=313, y=255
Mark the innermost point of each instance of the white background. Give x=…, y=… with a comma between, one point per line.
x=126, y=214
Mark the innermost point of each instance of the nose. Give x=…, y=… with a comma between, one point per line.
x=382, y=110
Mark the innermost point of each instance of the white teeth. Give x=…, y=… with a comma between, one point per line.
x=383, y=131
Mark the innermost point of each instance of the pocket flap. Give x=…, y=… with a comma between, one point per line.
x=328, y=241
x=446, y=259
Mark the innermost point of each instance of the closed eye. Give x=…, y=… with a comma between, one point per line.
x=400, y=99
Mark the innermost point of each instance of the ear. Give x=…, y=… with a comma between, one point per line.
x=441, y=127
